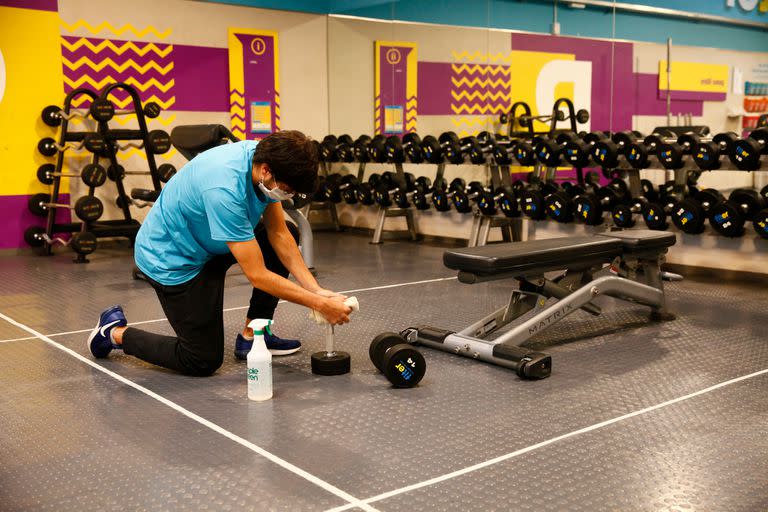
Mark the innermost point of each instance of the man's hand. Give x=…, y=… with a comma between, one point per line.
x=330, y=294
x=335, y=311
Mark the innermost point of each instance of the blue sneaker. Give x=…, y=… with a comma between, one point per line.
x=100, y=341
x=278, y=346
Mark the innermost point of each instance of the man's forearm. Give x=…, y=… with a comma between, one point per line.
x=288, y=252
x=282, y=288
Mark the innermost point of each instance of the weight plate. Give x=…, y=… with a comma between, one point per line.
x=102, y=110
x=45, y=174
x=760, y=223
x=335, y=363
x=36, y=204
x=51, y=116
x=151, y=110
x=165, y=172
x=688, y=216
x=726, y=219
x=83, y=242
x=159, y=141
x=403, y=366
x=33, y=235
x=654, y=216
x=89, y=208
x=93, y=175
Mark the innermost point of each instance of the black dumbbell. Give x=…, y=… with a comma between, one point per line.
x=53, y=115
x=87, y=208
x=728, y=217
x=401, y=363
x=364, y=191
x=639, y=154
x=591, y=205
x=93, y=175
x=655, y=213
x=336, y=188
x=441, y=198
x=339, y=149
x=360, y=149
x=433, y=150
x=485, y=147
x=671, y=153
x=525, y=153
x=548, y=151
x=760, y=223
x=409, y=147
x=747, y=152
x=707, y=153
x=82, y=242
x=607, y=150
x=377, y=149
x=502, y=198
x=533, y=199
x=462, y=199
x=456, y=150
x=560, y=205
x=577, y=152
x=164, y=172
x=422, y=196
x=690, y=213
x=390, y=192
x=503, y=152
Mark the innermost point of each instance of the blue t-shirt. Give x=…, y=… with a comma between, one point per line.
x=209, y=202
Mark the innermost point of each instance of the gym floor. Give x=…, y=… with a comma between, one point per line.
x=636, y=415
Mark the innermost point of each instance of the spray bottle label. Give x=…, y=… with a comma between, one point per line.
x=253, y=374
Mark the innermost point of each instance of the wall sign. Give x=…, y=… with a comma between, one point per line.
x=395, y=83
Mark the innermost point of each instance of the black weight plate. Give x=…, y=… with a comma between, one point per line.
x=151, y=110
x=380, y=344
x=622, y=217
x=689, y=216
x=337, y=363
x=559, y=206
x=403, y=366
x=93, y=175
x=83, y=242
x=588, y=209
x=89, y=208
x=532, y=204
x=45, y=174
x=33, y=235
x=159, y=141
x=115, y=173
x=726, y=219
x=47, y=146
x=36, y=202
x=706, y=155
x=654, y=216
x=750, y=201
x=165, y=172
x=760, y=223
x=51, y=116
x=95, y=143
x=102, y=110
x=637, y=155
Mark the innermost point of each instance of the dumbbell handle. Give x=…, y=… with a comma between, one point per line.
x=329, y=340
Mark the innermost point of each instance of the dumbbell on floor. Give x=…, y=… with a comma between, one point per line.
x=93, y=175
x=401, y=363
x=165, y=172
x=87, y=208
x=728, y=217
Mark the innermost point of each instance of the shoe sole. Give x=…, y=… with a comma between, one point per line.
x=285, y=352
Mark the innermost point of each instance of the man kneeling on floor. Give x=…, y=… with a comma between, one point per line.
x=222, y=207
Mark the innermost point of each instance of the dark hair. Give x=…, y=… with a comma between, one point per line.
x=292, y=158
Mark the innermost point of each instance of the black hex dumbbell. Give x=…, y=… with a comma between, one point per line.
x=339, y=149
x=591, y=205
x=364, y=191
x=400, y=362
x=560, y=205
x=463, y=199
x=707, y=153
x=671, y=154
x=486, y=146
x=360, y=149
x=377, y=149
x=640, y=154
x=690, y=213
x=337, y=188
x=533, y=199
x=457, y=150
x=503, y=198
x=409, y=147
x=549, y=151
x=746, y=153
x=389, y=192
x=607, y=150
x=728, y=217
x=441, y=198
x=422, y=196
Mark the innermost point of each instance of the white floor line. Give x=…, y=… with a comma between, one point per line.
x=238, y=308
x=553, y=440
x=354, y=502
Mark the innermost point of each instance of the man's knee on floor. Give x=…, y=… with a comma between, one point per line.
x=201, y=366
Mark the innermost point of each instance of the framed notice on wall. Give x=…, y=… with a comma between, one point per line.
x=395, y=82
x=254, y=97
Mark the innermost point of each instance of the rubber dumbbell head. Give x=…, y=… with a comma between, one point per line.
x=401, y=363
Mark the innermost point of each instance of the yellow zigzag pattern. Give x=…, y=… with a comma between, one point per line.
x=483, y=70
x=482, y=95
x=121, y=104
x=238, y=123
x=470, y=122
x=142, y=86
x=482, y=57
x=125, y=155
x=163, y=120
x=466, y=82
x=478, y=109
x=85, y=61
x=235, y=109
x=411, y=103
x=130, y=45
x=237, y=99
x=118, y=31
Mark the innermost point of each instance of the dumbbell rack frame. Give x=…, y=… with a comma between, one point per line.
x=390, y=212
x=330, y=206
x=108, y=228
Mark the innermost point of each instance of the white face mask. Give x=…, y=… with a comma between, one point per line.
x=276, y=193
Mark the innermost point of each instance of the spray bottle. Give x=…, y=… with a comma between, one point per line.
x=259, y=363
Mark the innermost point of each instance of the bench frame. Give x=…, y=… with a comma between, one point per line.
x=632, y=276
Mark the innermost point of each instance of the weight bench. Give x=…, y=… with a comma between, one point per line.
x=622, y=264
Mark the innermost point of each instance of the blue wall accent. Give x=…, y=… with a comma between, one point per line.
x=536, y=16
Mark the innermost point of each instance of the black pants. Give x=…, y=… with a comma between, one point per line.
x=195, y=311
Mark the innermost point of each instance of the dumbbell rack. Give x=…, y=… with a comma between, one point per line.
x=114, y=136
x=511, y=227
x=79, y=229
